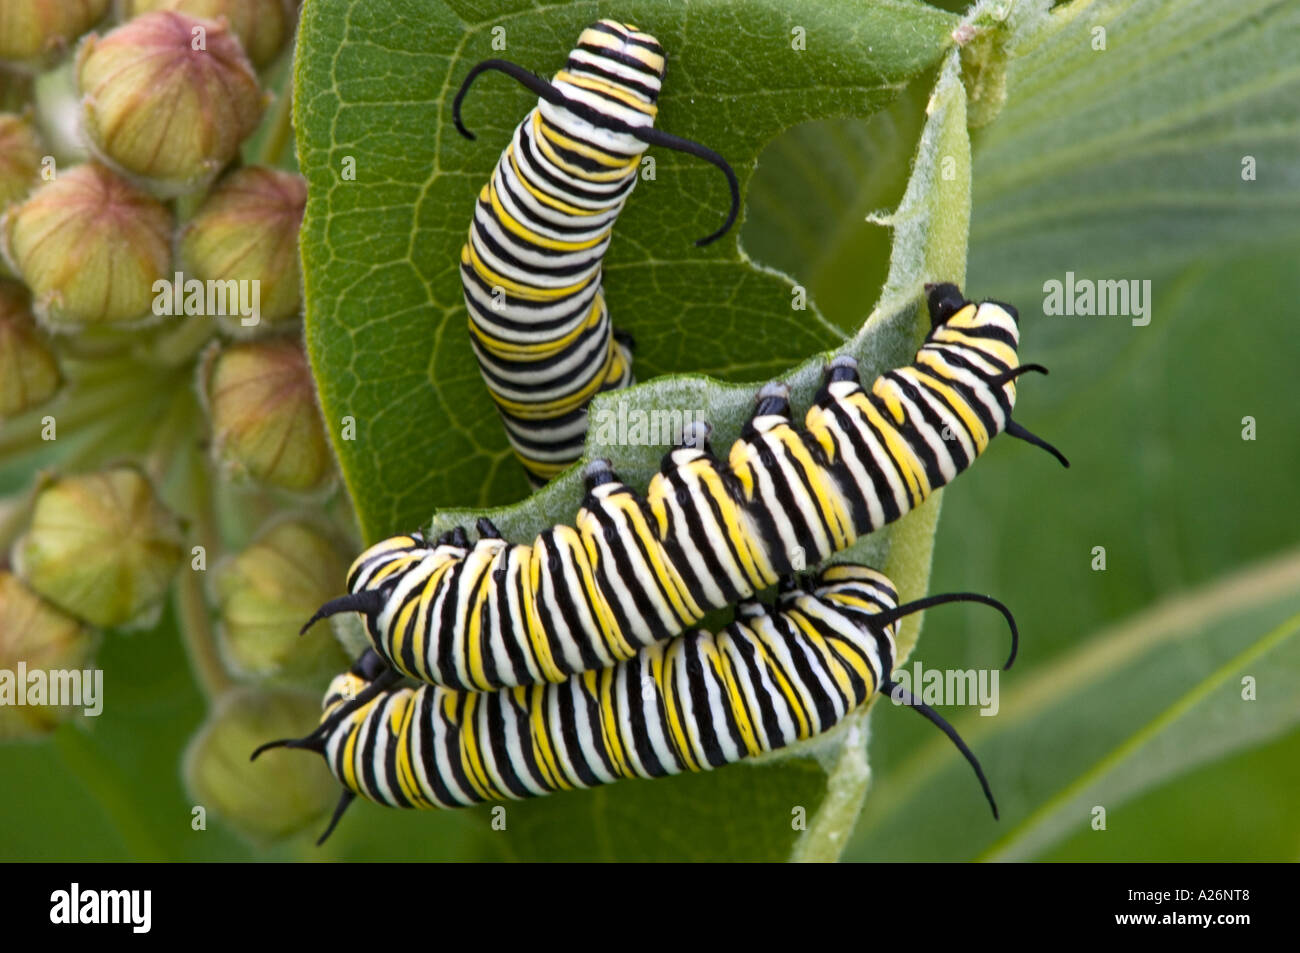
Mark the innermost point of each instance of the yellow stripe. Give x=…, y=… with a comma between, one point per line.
x=398, y=629
x=542, y=469
x=604, y=87
x=526, y=292
x=793, y=699
x=601, y=685
x=830, y=506
x=543, y=751
x=666, y=677
x=382, y=548
x=548, y=148
x=547, y=410
x=834, y=660
x=530, y=571
x=818, y=423
x=608, y=41
x=616, y=642
x=670, y=582
x=974, y=426
x=422, y=630
x=546, y=198
x=474, y=637
x=741, y=460
x=395, y=567
x=541, y=350
x=900, y=452
x=619, y=166
x=555, y=408
x=512, y=224
x=471, y=751
x=738, y=702
x=349, y=778
x=400, y=726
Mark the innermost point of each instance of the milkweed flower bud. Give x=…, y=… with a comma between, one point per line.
x=263, y=26
x=266, y=593
x=168, y=98
x=20, y=158
x=100, y=546
x=29, y=373
x=279, y=794
x=247, y=230
x=33, y=32
x=265, y=422
x=90, y=247
x=35, y=637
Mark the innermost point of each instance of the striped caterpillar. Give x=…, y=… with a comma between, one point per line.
x=531, y=267
x=632, y=571
x=775, y=676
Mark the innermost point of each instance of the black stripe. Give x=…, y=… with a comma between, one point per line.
x=699, y=688
x=574, y=693
x=811, y=691
x=849, y=419
x=629, y=39
x=424, y=720
x=512, y=639
x=531, y=166
x=524, y=735
x=584, y=68
x=634, y=673
x=445, y=663
x=506, y=257
x=498, y=741
x=555, y=569
x=930, y=417
x=452, y=746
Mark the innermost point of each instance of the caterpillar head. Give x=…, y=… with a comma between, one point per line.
x=867, y=596
x=373, y=576
x=345, y=687
x=622, y=56
x=871, y=600
x=945, y=299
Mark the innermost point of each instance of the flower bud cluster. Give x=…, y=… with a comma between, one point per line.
x=159, y=255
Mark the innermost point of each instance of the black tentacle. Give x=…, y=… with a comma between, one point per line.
x=906, y=697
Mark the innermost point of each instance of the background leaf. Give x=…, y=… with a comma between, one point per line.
x=1151, y=417
x=1172, y=674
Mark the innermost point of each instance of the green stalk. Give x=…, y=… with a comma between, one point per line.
x=281, y=128
x=196, y=624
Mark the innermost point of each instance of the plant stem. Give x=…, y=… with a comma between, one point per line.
x=180, y=344
x=847, y=783
x=281, y=128
x=82, y=403
x=14, y=515
x=196, y=625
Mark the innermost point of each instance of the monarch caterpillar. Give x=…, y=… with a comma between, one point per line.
x=632, y=571
x=531, y=267
x=774, y=676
